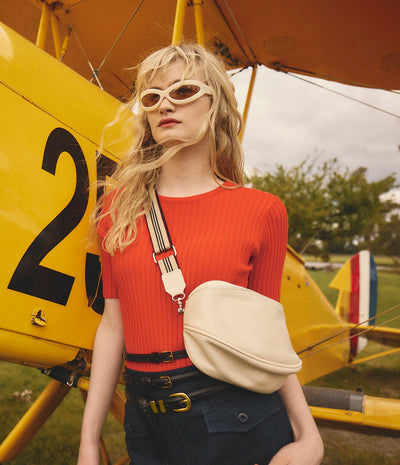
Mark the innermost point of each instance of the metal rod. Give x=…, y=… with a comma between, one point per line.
x=56, y=34
x=119, y=36
x=374, y=356
x=198, y=18
x=179, y=22
x=248, y=100
x=33, y=419
x=43, y=26
x=65, y=43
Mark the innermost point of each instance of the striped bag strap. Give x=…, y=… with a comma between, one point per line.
x=165, y=254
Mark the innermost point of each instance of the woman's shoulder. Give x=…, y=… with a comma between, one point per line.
x=104, y=221
x=247, y=195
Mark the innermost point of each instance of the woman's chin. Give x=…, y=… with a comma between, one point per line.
x=169, y=142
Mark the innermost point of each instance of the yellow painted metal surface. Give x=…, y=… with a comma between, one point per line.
x=51, y=134
x=179, y=22
x=198, y=17
x=342, y=282
x=312, y=319
x=52, y=122
x=342, y=279
x=338, y=40
x=377, y=412
x=43, y=26
x=32, y=421
x=248, y=101
x=383, y=335
x=382, y=413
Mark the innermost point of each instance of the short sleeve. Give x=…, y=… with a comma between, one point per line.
x=110, y=290
x=266, y=275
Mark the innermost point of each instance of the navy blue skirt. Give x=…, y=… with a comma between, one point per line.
x=234, y=426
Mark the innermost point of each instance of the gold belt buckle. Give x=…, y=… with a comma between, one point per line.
x=170, y=356
x=169, y=382
x=185, y=399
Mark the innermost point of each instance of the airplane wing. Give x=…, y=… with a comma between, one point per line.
x=350, y=42
x=383, y=335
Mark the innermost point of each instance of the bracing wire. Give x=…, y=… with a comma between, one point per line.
x=347, y=338
x=118, y=37
x=94, y=73
x=344, y=95
x=240, y=30
x=346, y=331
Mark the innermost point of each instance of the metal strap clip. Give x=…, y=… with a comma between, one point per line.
x=179, y=298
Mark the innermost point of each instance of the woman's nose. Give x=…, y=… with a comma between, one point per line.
x=166, y=104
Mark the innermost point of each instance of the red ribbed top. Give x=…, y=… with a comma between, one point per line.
x=235, y=235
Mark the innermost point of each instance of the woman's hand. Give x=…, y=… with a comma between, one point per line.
x=307, y=448
x=300, y=453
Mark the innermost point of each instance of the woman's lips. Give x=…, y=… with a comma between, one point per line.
x=168, y=122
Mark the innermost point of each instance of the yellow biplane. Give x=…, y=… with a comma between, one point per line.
x=53, y=122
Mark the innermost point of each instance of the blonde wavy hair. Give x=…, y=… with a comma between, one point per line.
x=133, y=183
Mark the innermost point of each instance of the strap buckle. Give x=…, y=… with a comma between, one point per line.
x=169, y=356
x=185, y=400
x=168, y=383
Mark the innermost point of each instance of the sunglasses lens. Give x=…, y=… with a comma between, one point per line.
x=184, y=92
x=149, y=100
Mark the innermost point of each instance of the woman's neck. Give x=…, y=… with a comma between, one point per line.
x=187, y=173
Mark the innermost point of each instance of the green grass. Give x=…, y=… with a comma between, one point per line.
x=388, y=292
x=58, y=440
x=380, y=377
x=380, y=260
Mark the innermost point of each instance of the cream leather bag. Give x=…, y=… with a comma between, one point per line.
x=238, y=336
x=231, y=333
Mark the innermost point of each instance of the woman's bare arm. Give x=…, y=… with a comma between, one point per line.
x=307, y=448
x=106, y=368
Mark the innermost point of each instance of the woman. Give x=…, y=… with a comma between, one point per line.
x=185, y=146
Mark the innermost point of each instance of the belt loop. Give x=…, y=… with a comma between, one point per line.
x=153, y=406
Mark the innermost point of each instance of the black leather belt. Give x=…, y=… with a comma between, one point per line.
x=161, y=381
x=157, y=357
x=176, y=402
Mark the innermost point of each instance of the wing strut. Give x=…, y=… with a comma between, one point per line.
x=180, y=21
x=248, y=100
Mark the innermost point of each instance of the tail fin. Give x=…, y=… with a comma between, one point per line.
x=357, y=284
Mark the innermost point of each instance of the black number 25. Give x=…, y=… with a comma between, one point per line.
x=30, y=277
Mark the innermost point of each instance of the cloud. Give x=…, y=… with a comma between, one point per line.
x=290, y=119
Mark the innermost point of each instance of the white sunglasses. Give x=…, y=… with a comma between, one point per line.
x=180, y=93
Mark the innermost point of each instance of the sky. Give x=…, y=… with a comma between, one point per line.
x=290, y=120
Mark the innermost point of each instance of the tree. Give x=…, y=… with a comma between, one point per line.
x=329, y=207
x=388, y=240
x=358, y=208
